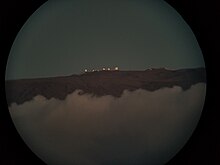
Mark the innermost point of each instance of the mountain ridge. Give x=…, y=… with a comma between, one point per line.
x=100, y=83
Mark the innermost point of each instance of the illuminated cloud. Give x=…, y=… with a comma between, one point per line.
x=140, y=127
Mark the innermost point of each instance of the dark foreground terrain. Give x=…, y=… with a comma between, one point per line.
x=102, y=83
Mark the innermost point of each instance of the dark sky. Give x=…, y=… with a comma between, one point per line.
x=65, y=37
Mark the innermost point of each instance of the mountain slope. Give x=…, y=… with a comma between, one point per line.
x=102, y=83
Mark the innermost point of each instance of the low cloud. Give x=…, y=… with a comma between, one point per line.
x=140, y=127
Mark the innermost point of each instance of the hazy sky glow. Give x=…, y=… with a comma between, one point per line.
x=64, y=37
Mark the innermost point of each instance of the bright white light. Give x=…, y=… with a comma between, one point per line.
x=109, y=69
x=116, y=68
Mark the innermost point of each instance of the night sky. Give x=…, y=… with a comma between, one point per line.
x=65, y=37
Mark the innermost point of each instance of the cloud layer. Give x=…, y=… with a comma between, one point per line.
x=140, y=127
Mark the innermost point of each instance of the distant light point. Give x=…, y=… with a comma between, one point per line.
x=103, y=69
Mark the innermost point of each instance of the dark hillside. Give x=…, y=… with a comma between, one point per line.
x=102, y=83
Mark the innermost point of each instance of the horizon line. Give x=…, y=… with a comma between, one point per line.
x=95, y=71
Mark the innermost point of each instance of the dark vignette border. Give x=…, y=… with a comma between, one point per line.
x=203, y=18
